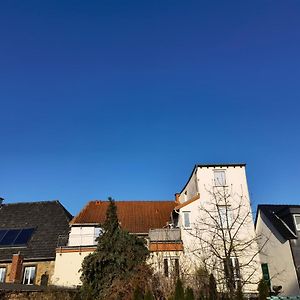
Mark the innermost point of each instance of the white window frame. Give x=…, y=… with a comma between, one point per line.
x=188, y=213
x=296, y=224
x=226, y=218
x=2, y=274
x=31, y=269
x=220, y=184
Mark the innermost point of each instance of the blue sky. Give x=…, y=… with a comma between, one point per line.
x=122, y=98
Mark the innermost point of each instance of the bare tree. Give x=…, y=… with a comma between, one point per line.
x=224, y=239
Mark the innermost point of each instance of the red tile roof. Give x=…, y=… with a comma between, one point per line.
x=134, y=216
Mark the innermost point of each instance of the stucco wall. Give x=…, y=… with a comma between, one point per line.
x=67, y=266
x=202, y=181
x=277, y=254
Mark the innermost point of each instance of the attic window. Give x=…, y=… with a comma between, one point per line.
x=15, y=237
x=297, y=221
x=219, y=177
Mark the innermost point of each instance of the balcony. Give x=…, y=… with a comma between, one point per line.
x=165, y=235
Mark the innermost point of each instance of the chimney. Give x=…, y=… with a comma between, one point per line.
x=177, y=195
x=16, y=268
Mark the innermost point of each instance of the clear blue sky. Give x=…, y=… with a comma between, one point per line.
x=122, y=98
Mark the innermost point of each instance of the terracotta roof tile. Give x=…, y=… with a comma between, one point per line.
x=134, y=216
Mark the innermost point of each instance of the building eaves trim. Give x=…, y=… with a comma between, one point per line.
x=221, y=165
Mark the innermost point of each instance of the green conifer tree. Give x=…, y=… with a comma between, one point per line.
x=189, y=294
x=117, y=258
x=179, y=291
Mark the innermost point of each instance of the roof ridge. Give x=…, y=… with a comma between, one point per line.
x=118, y=201
x=80, y=212
x=31, y=202
x=273, y=205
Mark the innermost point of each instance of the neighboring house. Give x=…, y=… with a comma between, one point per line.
x=28, y=239
x=138, y=217
x=214, y=207
x=279, y=229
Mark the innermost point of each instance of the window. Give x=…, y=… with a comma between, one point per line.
x=2, y=274
x=265, y=271
x=225, y=216
x=171, y=267
x=15, y=237
x=219, y=177
x=166, y=267
x=29, y=275
x=297, y=221
x=186, y=219
x=232, y=271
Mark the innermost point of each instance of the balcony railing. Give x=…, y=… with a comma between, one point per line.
x=165, y=235
x=62, y=240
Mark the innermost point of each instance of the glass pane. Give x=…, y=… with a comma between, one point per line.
x=186, y=219
x=10, y=236
x=26, y=275
x=29, y=275
x=32, y=275
x=2, y=274
x=2, y=233
x=219, y=178
x=166, y=267
x=24, y=236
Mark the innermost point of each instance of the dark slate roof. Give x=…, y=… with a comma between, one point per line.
x=49, y=218
x=281, y=217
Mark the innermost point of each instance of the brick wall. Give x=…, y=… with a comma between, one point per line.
x=42, y=267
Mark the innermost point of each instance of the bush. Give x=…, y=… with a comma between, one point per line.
x=179, y=291
x=263, y=290
x=189, y=294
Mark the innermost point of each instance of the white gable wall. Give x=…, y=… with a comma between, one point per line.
x=202, y=181
x=278, y=255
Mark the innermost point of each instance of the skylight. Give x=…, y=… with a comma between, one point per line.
x=15, y=237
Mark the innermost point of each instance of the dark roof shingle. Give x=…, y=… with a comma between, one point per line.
x=281, y=217
x=49, y=219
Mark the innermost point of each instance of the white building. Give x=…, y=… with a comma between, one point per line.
x=172, y=228
x=279, y=227
x=214, y=206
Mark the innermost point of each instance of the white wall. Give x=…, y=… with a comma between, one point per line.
x=83, y=235
x=202, y=181
x=67, y=266
x=278, y=255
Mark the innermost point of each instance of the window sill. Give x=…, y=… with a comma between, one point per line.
x=187, y=228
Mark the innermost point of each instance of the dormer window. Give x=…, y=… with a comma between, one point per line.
x=219, y=178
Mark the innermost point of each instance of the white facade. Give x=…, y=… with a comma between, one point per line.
x=198, y=217
x=278, y=256
x=67, y=267
x=83, y=235
x=81, y=242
